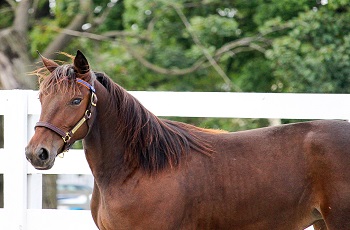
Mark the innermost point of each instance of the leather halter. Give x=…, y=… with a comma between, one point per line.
x=67, y=136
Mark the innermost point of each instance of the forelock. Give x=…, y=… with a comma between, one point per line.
x=62, y=80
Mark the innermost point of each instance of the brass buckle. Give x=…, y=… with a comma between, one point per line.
x=66, y=138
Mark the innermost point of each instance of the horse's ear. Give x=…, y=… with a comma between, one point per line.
x=49, y=64
x=81, y=65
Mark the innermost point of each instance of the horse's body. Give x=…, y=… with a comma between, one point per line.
x=158, y=174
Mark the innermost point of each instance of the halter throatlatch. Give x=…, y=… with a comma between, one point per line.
x=67, y=136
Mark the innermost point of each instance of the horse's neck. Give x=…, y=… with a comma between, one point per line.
x=102, y=148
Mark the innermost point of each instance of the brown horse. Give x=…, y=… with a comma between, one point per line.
x=152, y=173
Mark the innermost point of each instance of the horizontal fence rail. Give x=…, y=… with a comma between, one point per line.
x=21, y=109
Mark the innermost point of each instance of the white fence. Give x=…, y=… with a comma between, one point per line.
x=22, y=183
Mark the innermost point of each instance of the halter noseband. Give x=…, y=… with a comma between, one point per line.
x=67, y=136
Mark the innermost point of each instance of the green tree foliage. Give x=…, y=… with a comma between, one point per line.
x=210, y=45
x=314, y=55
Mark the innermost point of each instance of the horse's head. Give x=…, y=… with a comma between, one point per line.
x=68, y=101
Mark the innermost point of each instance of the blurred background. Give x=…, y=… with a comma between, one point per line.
x=180, y=45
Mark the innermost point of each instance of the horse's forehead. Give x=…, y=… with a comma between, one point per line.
x=52, y=98
x=61, y=81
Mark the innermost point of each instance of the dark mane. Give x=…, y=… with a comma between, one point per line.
x=151, y=143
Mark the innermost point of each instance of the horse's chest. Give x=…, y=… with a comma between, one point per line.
x=138, y=207
x=103, y=207
x=107, y=213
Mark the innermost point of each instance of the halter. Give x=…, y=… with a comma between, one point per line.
x=67, y=136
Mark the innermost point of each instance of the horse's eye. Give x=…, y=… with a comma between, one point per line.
x=76, y=101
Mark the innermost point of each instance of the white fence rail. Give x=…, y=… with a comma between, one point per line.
x=22, y=183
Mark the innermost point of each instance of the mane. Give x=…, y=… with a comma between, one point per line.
x=150, y=142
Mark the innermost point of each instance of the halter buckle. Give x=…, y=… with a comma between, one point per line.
x=67, y=138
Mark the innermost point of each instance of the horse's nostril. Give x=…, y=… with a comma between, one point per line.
x=43, y=154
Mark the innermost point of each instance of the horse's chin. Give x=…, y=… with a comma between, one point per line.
x=45, y=166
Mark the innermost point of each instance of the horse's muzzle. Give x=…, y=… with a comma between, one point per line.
x=39, y=157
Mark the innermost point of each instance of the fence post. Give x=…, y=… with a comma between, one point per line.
x=15, y=176
x=34, y=182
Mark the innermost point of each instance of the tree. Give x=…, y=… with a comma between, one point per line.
x=179, y=45
x=13, y=48
x=314, y=55
x=15, y=42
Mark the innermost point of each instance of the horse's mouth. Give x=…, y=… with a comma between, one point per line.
x=43, y=167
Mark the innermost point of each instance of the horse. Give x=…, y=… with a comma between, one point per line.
x=153, y=173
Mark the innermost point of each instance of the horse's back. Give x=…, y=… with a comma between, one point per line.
x=284, y=177
x=273, y=177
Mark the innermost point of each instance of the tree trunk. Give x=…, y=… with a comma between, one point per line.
x=1, y=191
x=274, y=121
x=49, y=191
x=14, y=61
x=63, y=39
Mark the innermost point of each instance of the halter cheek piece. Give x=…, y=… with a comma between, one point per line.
x=67, y=136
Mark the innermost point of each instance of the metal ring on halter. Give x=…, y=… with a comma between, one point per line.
x=88, y=114
x=93, y=99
